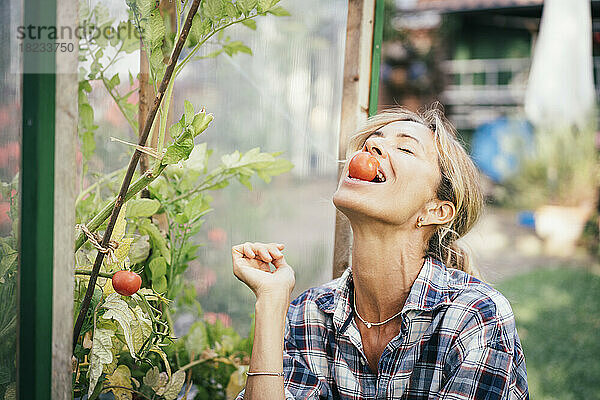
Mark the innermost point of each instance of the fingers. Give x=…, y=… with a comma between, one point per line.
x=265, y=251
x=247, y=249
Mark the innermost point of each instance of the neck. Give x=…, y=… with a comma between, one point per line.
x=386, y=260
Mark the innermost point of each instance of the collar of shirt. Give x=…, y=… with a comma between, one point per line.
x=429, y=291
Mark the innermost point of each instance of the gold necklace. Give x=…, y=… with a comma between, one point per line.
x=367, y=323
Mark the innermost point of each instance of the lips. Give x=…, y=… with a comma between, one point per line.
x=379, y=178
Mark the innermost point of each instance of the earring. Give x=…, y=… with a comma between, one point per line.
x=420, y=222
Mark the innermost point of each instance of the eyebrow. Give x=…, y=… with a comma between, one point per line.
x=398, y=135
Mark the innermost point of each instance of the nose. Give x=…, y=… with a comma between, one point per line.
x=373, y=147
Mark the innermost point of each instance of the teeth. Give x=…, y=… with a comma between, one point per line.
x=380, y=176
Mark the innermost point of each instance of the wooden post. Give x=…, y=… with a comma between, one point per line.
x=65, y=192
x=355, y=105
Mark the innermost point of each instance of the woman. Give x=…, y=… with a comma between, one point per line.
x=409, y=319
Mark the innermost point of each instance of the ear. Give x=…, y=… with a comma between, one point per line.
x=439, y=212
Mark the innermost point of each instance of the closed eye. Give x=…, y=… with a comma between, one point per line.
x=406, y=150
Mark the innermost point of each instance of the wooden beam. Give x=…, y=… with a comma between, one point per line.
x=355, y=106
x=64, y=205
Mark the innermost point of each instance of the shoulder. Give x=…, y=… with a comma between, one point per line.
x=483, y=316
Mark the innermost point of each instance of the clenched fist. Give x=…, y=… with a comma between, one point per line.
x=251, y=266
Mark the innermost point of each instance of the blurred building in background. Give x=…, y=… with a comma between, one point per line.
x=472, y=55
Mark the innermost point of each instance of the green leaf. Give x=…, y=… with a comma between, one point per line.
x=214, y=9
x=230, y=160
x=196, y=207
x=120, y=254
x=176, y=129
x=120, y=377
x=119, y=311
x=141, y=328
x=156, y=61
x=158, y=267
x=201, y=122
x=127, y=32
x=7, y=262
x=156, y=30
x=131, y=79
x=114, y=81
x=189, y=112
x=120, y=224
x=158, y=241
x=231, y=11
x=160, y=285
x=236, y=46
x=86, y=116
x=88, y=144
x=100, y=355
x=180, y=149
x=174, y=386
x=250, y=23
x=181, y=218
x=279, y=166
x=196, y=30
x=245, y=180
x=145, y=7
x=84, y=10
x=276, y=168
x=151, y=378
x=219, y=185
x=85, y=86
x=140, y=249
x=142, y=207
x=246, y=6
x=200, y=28
x=102, y=15
x=196, y=341
x=279, y=11
x=237, y=381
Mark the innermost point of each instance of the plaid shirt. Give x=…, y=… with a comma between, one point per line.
x=457, y=341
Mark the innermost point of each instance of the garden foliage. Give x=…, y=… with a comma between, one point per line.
x=127, y=344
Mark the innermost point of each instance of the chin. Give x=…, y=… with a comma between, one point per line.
x=352, y=205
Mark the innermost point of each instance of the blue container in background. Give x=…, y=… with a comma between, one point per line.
x=499, y=145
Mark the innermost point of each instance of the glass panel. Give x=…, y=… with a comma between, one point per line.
x=285, y=97
x=10, y=159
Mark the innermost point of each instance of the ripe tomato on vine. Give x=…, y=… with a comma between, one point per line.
x=126, y=283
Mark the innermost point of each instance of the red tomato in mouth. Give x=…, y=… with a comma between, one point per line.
x=126, y=283
x=363, y=166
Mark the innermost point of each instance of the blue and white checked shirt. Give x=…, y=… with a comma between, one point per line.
x=457, y=341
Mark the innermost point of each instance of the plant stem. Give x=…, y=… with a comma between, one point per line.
x=131, y=169
x=162, y=133
x=134, y=189
x=80, y=271
x=203, y=360
x=130, y=121
x=197, y=47
x=200, y=187
x=94, y=185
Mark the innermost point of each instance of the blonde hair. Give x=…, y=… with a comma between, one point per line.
x=459, y=182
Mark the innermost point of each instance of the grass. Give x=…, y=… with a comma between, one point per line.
x=558, y=320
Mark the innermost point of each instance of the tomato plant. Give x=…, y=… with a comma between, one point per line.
x=363, y=166
x=127, y=343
